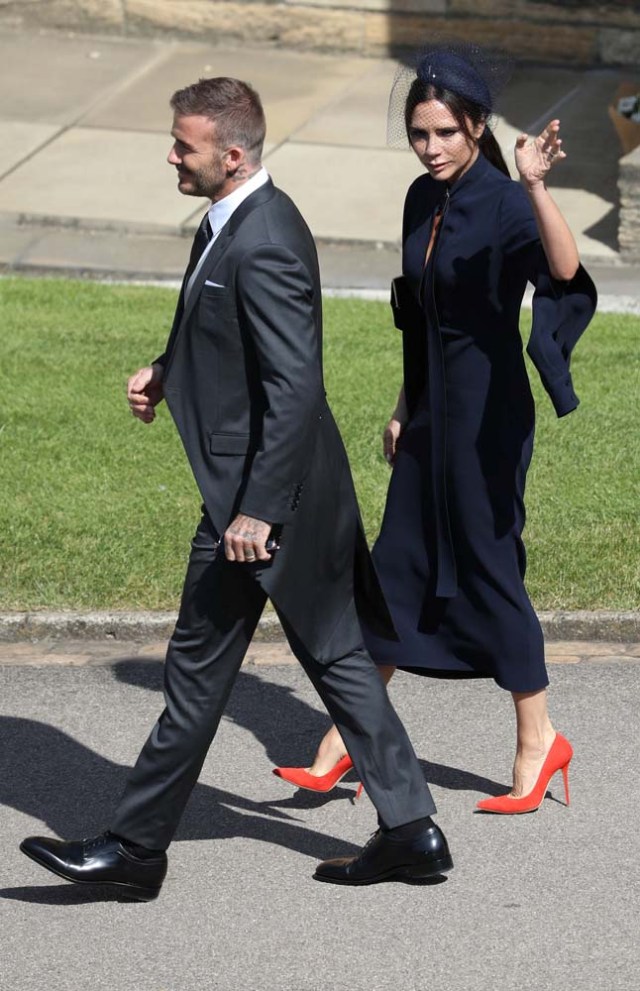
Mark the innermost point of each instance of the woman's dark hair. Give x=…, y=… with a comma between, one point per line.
x=463, y=110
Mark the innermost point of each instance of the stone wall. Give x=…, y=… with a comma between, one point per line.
x=567, y=31
x=629, y=225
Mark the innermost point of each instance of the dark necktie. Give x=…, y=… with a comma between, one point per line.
x=200, y=242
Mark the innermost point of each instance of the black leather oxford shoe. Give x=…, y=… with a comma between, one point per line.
x=103, y=860
x=384, y=858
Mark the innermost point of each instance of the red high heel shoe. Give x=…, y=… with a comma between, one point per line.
x=558, y=759
x=301, y=778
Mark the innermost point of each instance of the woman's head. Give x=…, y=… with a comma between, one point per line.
x=446, y=103
x=444, y=129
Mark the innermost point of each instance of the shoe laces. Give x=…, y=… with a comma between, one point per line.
x=371, y=839
x=97, y=841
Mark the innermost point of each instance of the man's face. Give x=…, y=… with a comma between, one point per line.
x=197, y=157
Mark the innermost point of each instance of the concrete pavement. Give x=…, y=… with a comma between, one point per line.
x=85, y=189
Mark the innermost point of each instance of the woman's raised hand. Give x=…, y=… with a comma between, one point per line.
x=535, y=156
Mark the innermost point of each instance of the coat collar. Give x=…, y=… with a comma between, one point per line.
x=477, y=173
x=480, y=172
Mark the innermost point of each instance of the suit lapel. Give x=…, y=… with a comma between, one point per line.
x=222, y=242
x=216, y=253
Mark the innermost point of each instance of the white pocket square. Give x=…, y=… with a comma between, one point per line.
x=215, y=285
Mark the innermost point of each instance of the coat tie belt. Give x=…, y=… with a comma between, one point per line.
x=446, y=573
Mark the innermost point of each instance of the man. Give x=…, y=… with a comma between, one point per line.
x=242, y=376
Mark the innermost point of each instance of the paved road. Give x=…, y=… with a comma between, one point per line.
x=544, y=901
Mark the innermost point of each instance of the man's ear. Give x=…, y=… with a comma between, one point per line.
x=233, y=159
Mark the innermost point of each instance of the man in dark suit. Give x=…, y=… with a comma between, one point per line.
x=242, y=376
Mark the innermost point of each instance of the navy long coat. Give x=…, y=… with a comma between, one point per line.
x=450, y=554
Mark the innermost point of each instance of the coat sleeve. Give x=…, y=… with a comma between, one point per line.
x=561, y=311
x=279, y=313
x=519, y=233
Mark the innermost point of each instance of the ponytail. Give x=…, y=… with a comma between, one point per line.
x=491, y=151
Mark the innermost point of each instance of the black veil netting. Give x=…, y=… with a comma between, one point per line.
x=475, y=73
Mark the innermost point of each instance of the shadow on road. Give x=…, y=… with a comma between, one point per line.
x=52, y=777
x=63, y=894
x=288, y=729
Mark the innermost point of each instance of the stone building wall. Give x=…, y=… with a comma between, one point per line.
x=569, y=31
x=629, y=224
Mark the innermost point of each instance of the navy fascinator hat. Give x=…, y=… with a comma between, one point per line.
x=452, y=72
x=473, y=73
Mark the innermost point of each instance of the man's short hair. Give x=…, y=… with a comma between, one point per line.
x=235, y=108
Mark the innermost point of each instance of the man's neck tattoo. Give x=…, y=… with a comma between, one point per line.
x=243, y=173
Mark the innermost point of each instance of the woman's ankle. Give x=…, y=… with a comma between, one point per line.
x=535, y=743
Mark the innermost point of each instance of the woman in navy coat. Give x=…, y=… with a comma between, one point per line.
x=450, y=555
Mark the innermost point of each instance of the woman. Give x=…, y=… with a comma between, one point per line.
x=450, y=554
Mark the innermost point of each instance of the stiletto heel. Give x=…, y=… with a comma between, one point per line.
x=558, y=759
x=301, y=778
x=565, y=775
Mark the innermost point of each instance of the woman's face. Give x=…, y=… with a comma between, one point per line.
x=443, y=147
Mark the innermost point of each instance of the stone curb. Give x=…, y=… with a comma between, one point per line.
x=601, y=625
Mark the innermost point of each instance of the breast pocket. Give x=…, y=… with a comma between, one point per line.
x=217, y=316
x=212, y=290
x=215, y=299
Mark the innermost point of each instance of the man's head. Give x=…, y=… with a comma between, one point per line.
x=218, y=131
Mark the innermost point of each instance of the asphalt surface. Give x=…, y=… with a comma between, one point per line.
x=546, y=901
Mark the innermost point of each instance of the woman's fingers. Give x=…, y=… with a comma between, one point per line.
x=551, y=140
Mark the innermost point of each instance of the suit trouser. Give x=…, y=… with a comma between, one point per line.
x=220, y=609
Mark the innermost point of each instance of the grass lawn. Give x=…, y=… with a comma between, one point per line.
x=97, y=509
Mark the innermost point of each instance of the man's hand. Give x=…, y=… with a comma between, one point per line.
x=390, y=439
x=144, y=392
x=245, y=539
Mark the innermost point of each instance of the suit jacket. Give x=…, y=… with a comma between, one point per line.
x=243, y=381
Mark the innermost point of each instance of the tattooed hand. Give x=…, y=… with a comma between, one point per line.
x=245, y=539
